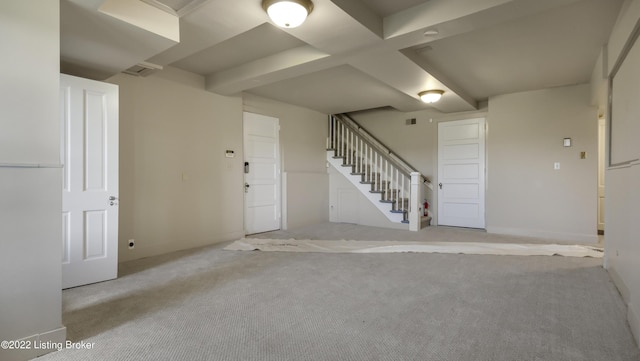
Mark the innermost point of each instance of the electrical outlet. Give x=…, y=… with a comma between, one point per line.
x=132, y=244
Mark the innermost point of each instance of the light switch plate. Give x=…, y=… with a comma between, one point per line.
x=556, y=165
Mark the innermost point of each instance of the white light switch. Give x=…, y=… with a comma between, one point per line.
x=556, y=165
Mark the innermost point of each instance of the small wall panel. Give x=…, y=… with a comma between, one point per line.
x=95, y=234
x=66, y=237
x=95, y=141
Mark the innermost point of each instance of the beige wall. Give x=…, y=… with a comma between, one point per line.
x=622, y=197
x=525, y=195
x=30, y=176
x=177, y=188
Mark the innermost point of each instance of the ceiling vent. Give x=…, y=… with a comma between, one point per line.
x=143, y=69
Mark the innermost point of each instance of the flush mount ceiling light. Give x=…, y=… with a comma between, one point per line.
x=287, y=13
x=431, y=96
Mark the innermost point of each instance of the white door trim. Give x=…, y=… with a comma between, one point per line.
x=462, y=173
x=89, y=154
x=263, y=196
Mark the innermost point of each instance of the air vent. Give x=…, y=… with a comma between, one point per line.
x=411, y=121
x=143, y=69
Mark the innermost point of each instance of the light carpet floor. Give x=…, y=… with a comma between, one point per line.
x=212, y=304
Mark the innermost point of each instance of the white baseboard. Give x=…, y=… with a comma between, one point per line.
x=143, y=251
x=620, y=285
x=634, y=322
x=36, y=345
x=632, y=315
x=571, y=237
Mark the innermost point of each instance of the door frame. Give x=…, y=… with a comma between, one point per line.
x=281, y=214
x=483, y=172
x=602, y=134
x=89, y=211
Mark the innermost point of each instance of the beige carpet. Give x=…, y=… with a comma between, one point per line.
x=212, y=304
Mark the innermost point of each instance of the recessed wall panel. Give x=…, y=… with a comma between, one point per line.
x=461, y=210
x=462, y=151
x=261, y=147
x=66, y=237
x=262, y=194
x=95, y=141
x=65, y=126
x=95, y=241
x=461, y=132
x=461, y=171
x=461, y=191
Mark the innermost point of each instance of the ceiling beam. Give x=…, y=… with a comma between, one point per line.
x=406, y=76
x=434, y=12
x=363, y=14
x=281, y=66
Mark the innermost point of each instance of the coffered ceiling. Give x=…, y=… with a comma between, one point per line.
x=349, y=55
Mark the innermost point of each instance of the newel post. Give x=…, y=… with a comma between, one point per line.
x=415, y=202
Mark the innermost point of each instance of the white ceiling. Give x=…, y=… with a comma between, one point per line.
x=353, y=55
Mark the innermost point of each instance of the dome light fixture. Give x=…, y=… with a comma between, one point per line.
x=287, y=13
x=431, y=96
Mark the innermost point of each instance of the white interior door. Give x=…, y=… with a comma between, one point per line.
x=89, y=152
x=461, y=173
x=262, y=173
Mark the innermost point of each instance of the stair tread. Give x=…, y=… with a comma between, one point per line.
x=396, y=211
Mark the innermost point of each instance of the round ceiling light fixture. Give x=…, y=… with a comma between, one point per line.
x=431, y=96
x=288, y=13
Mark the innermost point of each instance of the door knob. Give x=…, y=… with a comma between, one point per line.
x=440, y=185
x=246, y=187
x=112, y=198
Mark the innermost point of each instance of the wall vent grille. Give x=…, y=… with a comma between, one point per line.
x=143, y=69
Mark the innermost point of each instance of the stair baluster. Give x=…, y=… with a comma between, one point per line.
x=381, y=170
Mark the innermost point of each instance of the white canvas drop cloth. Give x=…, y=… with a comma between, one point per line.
x=350, y=246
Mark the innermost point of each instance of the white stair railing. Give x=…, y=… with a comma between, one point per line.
x=389, y=175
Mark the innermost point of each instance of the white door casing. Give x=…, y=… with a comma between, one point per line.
x=602, y=129
x=262, y=173
x=461, y=173
x=89, y=154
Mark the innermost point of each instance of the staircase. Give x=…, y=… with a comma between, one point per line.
x=384, y=178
